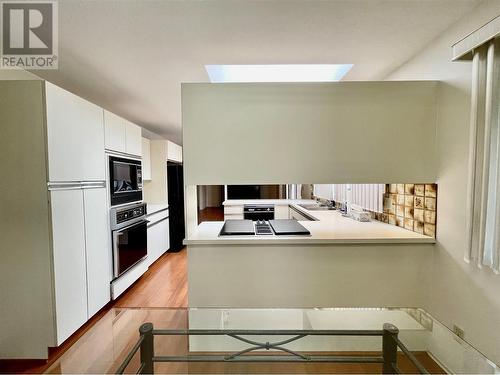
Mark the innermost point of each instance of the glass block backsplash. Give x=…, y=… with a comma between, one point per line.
x=411, y=206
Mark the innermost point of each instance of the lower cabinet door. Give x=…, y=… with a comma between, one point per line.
x=167, y=238
x=158, y=240
x=233, y=216
x=98, y=249
x=297, y=216
x=165, y=242
x=70, y=280
x=154, y=238
x=281, y=212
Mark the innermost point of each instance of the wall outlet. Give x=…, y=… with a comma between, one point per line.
x=458, y=331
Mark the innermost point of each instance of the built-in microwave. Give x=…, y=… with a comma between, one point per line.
x=125, y=180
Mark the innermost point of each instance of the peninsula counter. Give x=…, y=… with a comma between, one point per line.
x=343, y=263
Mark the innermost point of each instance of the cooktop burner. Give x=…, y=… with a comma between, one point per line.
x=263, y=227
x=281, y=227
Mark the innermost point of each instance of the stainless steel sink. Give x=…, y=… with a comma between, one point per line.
x=316, y=207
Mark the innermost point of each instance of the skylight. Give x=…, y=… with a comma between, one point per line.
x=277, y=73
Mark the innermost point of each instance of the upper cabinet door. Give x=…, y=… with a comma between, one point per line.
x=122, y=135
x=146, y=159
x=134, y=139
x=174, y=152
x=115, y=132
x=75, y=134
x=98, y=249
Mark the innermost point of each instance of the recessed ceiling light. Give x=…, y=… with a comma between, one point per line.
x=277, y=73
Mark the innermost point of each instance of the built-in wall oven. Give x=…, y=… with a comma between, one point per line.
x=129, y=234
x=257, y=212
x=125, y=177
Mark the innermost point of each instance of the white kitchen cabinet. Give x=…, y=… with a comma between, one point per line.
x=158, y=235
x=163, y=239
x=233, y=209
x=296, y=215
x=70, y=279
x=121, y=135
x=115, y=132
x=233, y=212
x=233, y=216
x=82, y=255
x=97, y=249
x=166, y=229
x=133, y=139
x=75, y=137
x=146, y=159
x=64, y=257
x=174, y=152
x=281, y=211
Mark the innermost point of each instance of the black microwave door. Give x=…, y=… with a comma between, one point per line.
x=125, y=177
x=138, y=175
x=125, y=180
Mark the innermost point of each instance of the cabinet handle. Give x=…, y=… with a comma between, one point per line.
x=116, y=236
x=156, y=222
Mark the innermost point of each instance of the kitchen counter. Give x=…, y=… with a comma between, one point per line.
x=279, y=202
x=152, y=208
x=330, y=228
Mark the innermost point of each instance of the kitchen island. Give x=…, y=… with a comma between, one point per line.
x=343, y=263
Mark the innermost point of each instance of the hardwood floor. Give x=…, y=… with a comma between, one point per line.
x=103, y=348
x=160, y=297
x=211, y=214
x=405, y=366
x=164, y=285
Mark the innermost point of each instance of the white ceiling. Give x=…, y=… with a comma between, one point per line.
x=131, y=56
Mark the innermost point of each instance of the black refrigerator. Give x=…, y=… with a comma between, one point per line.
x=175, y=186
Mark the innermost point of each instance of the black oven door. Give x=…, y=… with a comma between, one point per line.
x=125, y=180
x=130, y=245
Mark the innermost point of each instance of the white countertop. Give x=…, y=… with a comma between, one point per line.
x=151, y=208
x=330, y=227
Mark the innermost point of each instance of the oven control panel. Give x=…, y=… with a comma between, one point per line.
x=128, y=213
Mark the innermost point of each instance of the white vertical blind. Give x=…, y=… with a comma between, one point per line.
x=490, y=255
x=368, y=196
x=483, y=204
x=475, y=146
x=340, y=193
x=323, y=191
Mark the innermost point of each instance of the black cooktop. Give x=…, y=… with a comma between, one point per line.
x=237, y=228
x=288, y=227
x=280, y=227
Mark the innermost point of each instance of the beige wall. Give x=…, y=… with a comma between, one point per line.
x=24, y=229
x=15, y=74
x=214, y=195
x=462, y=294
x=202, y=196
x=155, y=191
x=317, y=133
x=210, y=196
